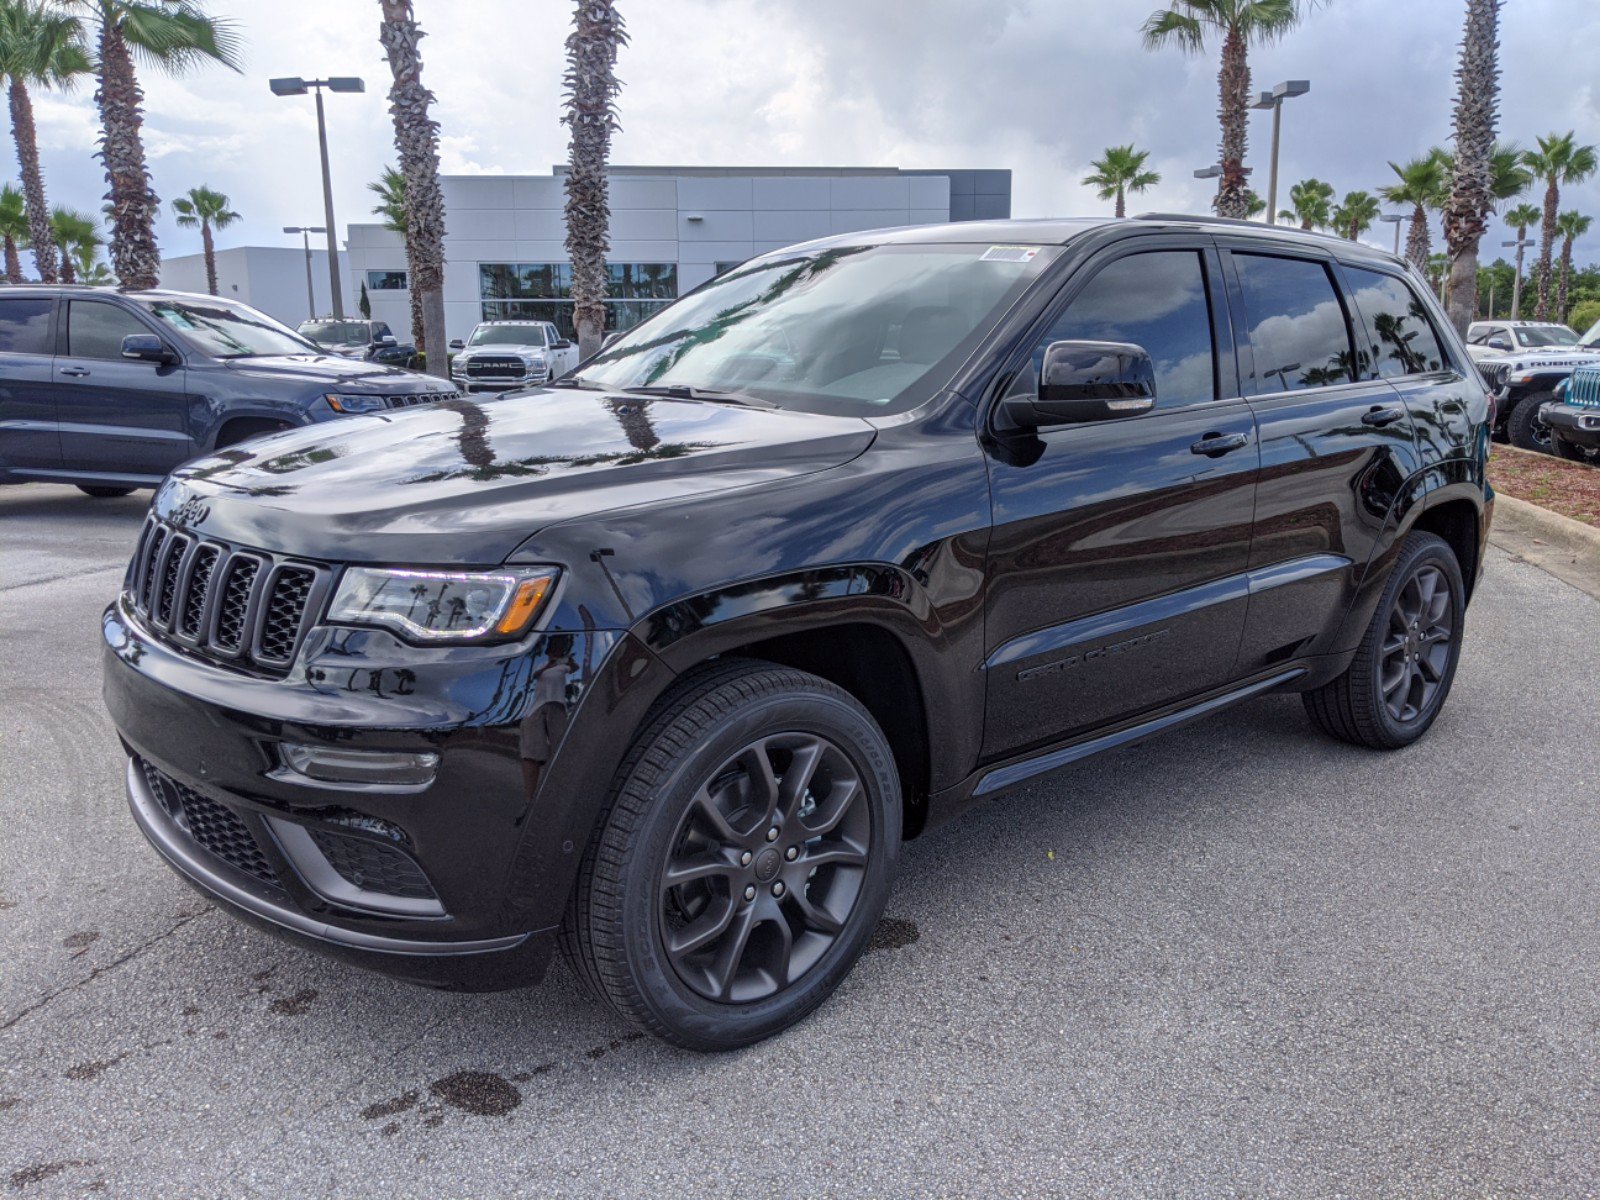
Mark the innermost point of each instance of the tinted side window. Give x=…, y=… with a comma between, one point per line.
x=1157, y=300
x=25, y=325
x=1397, y=326
x=1298, y=335
x=96, y=329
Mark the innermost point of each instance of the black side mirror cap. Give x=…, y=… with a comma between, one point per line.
x=147, y=347
x=1087, y=381
x=457, y=344
x=561, y=344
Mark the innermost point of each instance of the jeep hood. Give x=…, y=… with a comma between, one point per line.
x=466, y=481
x=334, y=370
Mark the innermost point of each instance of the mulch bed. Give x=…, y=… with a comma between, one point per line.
x=1569, y=488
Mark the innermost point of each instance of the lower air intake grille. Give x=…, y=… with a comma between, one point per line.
x=372, y=865
x=213, y=827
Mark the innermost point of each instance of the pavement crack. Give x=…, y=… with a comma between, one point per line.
x=100, y=570
x=103, y=969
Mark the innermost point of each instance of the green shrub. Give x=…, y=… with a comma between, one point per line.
x=1584, y=315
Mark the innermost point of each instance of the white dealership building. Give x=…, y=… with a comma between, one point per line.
x=672, y=228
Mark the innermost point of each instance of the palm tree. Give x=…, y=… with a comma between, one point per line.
x=416, y=137
x=1508, y=176
x=1521, y=218
x=1355, y=214
x=1571, y=226
x=173, y=36
x=13, y=229
x=1469, y=178
x=592, y=87
x=1239, y=23
x=38, y=48
x=209, y=210
x=1254, y=205
x=1423, y=186
x=1558, y=160
x=1119, y=172
x=79, y=237
x=1310, y=203
x=390, y=188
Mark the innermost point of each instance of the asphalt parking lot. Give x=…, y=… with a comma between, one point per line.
x=1241, y=960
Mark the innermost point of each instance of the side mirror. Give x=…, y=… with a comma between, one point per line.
x=605, y=342
x=388, y=339
x=561, y=344
x=457, y=344
x=1498, y=343
x=147, y=347
x=1087, y=381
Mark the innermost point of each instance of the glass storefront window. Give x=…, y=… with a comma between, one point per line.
x=553, y=281
x=386, y=281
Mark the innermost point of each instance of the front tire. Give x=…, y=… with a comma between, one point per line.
x=1526, y=430
x=1573, y=452
x=748, y=852
x=1401, y=675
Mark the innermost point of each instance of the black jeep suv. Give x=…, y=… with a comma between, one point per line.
x=110, y=390
x=664, y=667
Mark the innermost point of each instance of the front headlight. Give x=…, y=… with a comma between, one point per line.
x=444, y=606
x=342, y=402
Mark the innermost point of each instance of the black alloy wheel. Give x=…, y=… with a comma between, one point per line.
x=1418, y=647
x=766, y=868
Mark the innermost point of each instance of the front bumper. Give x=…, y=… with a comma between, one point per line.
x=1578, y=424
x=496, y=861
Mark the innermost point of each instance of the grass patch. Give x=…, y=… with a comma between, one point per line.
x=1569, y=488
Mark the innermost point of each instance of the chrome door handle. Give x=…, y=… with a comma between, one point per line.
x=1381, y=415
x=1214, y=445
x=74, y=370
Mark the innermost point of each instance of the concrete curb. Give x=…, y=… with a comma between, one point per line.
x=1567, y=549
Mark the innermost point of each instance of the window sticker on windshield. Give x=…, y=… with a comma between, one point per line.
x=1016, y=254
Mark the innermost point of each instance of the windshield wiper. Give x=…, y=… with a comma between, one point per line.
x=684, y=391
x=575, y=381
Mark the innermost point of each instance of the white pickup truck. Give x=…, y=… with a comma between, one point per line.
x=501, y=355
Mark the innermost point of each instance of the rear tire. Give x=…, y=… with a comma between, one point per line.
x=100, y=492
x=748, y=850
x=1401, y=675
x=1526, y=430
x=1572, y=452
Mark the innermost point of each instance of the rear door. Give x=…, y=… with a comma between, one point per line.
x=118, y=416
x=1118, y=555
x=1335, y=448
x=29, y=437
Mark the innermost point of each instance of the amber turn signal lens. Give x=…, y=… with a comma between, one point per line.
x=530, y=594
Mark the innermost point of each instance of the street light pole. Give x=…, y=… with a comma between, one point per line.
x=1274, y=100
x=305, y=232
x=295, y=86
x=1516, y=286
x=1395, y=219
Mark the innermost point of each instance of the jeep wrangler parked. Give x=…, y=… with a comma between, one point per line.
x=662, y=669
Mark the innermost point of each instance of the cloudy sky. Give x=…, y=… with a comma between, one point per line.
x=1039, y=86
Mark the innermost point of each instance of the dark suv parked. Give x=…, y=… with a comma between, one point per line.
x=110, y=390
x=663, y=667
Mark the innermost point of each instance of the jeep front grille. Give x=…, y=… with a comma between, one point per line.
x=243, y=608
x=1585, y=387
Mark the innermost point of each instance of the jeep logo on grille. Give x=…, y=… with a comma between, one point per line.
x=190, y=514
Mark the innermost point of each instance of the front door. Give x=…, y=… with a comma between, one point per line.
x=118, y=416
x=1336, y=446
x=1117, y=561
x=29, y=438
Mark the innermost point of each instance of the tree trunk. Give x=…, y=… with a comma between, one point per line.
x=1476, y=115
x=1122, y=203
x=68, y=274
x=1233, y=82
x=134, y=204
x=13, y=263
x=211, y=256
x=1566, y=275
x=1305, y=223
x=416, y=137
x=591, y=82
x=39, y=231
x=419, y=335
x=1419, y=243
x=1547, y=244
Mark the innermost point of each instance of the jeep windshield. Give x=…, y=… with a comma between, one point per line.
x=1545, y=335
x=849, y=330
x=507, y=335
x=225, y=330
x=335, y=333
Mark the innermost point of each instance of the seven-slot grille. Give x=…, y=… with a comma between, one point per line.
x=418, y=398
x=1494, y=374
x=240, y=607
x=1585, y=388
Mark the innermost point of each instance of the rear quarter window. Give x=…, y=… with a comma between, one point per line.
x=1402, y=338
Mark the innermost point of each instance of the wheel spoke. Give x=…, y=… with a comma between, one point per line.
x=797, y=777
x=706, y=865
x=784, y=957
x=841, y=795
x=702, y=931
x=707, y=808
x=757, y=763
x=725, y=967
x=1392, y=684
x=814, y=915
x=836, y=854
